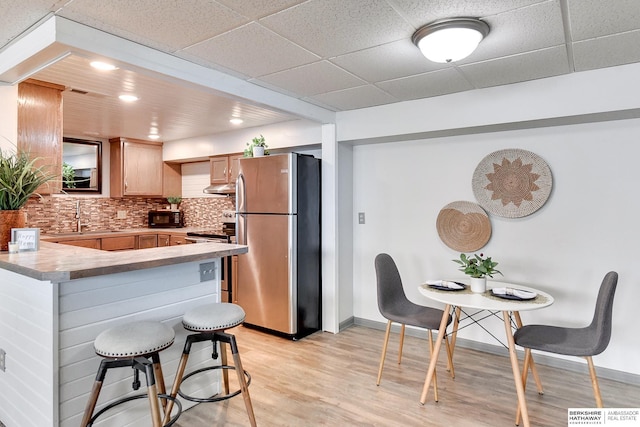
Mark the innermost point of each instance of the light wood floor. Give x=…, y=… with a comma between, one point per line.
x=328, y=379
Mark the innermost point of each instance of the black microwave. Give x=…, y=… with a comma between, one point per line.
x=166, y=219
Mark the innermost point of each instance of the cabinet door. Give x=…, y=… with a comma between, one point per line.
x=85, y=243
x=234, y=165
x=219, y=169
x=164, y=240
x=147, y=241
x=119, y=243
x=142, y=169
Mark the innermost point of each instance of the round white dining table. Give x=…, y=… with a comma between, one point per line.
x=454, y=300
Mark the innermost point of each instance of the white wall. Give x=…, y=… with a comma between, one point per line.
x=587, y=227
x=9, y=114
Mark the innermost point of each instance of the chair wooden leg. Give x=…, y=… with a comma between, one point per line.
x=527, y=361
x=532, y=364
x=243, y=382
x=402, y=328
x=152, y=391
x=435, y=378
x=157, y=371
x=225, y=372
x=594, y=382
x=384, y=351
x=176, y=386
x=91, y=404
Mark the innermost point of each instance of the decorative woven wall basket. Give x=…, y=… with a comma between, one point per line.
x=512, y=183
x=463, y=226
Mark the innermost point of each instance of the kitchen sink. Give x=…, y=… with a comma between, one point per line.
x=83, y=233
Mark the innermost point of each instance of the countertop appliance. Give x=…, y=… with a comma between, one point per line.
x=166, y=218
x=224, y=234
x=278, y=217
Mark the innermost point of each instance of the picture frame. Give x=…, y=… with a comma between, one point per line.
x=28, y=239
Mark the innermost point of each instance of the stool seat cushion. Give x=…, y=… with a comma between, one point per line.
x=134, y=339
x=213, y=317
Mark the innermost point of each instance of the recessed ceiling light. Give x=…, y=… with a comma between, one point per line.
x=103, y=66
x=154, y=136
x=128, y=98
x=236, y=121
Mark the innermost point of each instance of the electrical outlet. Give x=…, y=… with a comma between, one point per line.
x=360, y=217
x=3, y=359
x=122, y=215
x=207, y=271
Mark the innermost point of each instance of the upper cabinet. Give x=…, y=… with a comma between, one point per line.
x=40, y=127
x=224, y=169
x=136, y=168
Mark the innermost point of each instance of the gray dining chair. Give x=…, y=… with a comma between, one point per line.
x=582, y=342
x=396, y=307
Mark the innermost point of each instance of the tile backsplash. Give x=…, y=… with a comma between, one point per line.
x=57, y=214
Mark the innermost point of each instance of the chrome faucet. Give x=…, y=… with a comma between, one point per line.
x=78, y=218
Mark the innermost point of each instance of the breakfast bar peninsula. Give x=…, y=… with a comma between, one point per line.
x=56, y=300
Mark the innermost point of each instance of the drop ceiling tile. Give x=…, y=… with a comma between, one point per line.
x=171, y=26
x=435, y=83
x=31, y=11
x=252, y=50
x=420, y=13
x=334, y=27
x=531, y=28
x=354, y=98
x=607, y=51
x=596, y=18
x=312, y=79
x=518, y=68
x=256, y=9
x=386, y=62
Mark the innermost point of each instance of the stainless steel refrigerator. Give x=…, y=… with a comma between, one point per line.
x=278, y=217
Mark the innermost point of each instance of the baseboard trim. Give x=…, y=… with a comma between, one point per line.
x=540, y=358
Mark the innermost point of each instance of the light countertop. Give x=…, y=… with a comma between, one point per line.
x=56, y=262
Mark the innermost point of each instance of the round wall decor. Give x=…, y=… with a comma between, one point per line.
x=463, y=226
x=512, y=183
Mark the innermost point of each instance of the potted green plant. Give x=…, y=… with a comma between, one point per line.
x=256, y=148
x=20, y=178
x=174, y=201
x=68, y=176
x=478, y=267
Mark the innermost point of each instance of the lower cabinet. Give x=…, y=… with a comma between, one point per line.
x=129, y=241
x=178, y=240
x=164, y=240
x=146, y=241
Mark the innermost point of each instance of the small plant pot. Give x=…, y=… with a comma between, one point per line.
x=174, y=206
x=258, y=151
x=478, y=284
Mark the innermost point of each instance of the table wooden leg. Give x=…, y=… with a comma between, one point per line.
x=532, y=364
x=436, y=351
x=515, y=367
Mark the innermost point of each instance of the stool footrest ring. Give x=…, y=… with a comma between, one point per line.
x=139, y=396
x=216, y=397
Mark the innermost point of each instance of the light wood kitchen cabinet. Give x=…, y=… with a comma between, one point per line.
x=224, y=169
x=40, y=128
x=172, y=180
x=164, y=240
x=178, y=240
x=146, y=241
x=120, y=243
x=85, y=243
x=136, y=168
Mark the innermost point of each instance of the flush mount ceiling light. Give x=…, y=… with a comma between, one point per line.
x=450, y=40
x=236, y=121
x=128, y=98
x=103, y=66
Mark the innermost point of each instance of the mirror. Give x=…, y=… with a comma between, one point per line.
x=81, y=165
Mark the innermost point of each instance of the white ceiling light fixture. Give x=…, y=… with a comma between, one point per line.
x=103, y=66
x=236, y=121
x=450, y=40
x=128, y=98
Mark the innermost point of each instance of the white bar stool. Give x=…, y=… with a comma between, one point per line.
x=136, y=345
x=210, y=322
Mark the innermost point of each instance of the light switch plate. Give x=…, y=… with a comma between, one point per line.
x=122, y=215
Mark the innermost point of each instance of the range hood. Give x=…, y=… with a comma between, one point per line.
x=223, y=189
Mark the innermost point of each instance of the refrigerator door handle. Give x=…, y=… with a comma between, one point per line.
x=241, y=188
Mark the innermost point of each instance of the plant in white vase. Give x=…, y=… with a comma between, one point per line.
x=478, y=267
x=256, y=148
